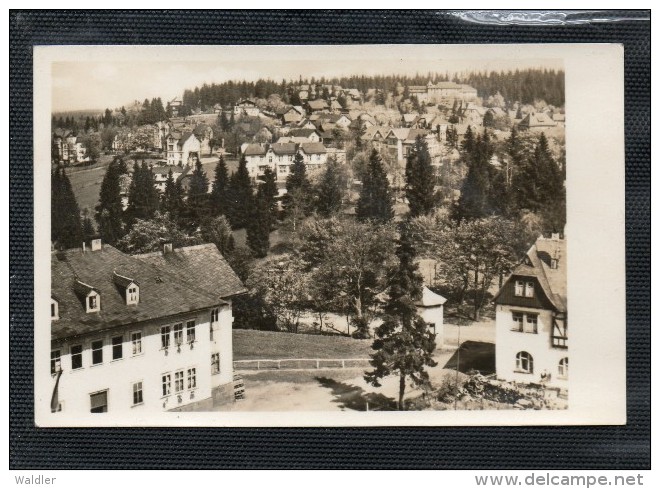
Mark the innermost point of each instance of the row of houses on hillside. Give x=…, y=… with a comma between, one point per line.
x=143, y=333
x=279, y=156
x=68, y=147
x=442, y=91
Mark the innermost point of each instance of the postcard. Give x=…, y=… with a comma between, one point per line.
x=334, y=235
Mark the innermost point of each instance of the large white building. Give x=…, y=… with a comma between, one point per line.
x=531, y=318
x=140, y=334
x=445, y=90
x=279, y=157
x=183, y=149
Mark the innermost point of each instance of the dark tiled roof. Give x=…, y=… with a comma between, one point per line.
x=318, y=104
x=184, y=137
x=203, y=264
x=302, y=133
x=162, y=292
x=254, y=149
x=284, y=148
x=123, y=281
x=313, y=148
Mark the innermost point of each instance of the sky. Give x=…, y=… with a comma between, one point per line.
x=90, y=84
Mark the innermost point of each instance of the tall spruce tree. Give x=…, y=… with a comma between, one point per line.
x=298, y=198
x=269, y=189
x=218, y=199
x=172, y=201
x=240, y=195
x=420, y=181
x=143, y=197
x=375, y=202
x=66, y=227
x=259, y=224
x=476, y=193
x=197, y=203
x=404, y=344
x=329, y=192
x=109, y=209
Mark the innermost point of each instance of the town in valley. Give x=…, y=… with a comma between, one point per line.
x=348, y=243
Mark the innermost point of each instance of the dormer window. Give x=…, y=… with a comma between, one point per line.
x=54, y=309
x=129, y=288
x=89, y=295
x=524, y=289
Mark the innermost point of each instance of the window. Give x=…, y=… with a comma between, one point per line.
x=136, y=342
x=167, y=384
x=99, y=402
x=137, y=393
x=562, y=370
x=215, y=314
x=178, y=334
x=54, y=309
x=192, y=378
x=190, y=331
x=92, y=303
x=165, y=337
x=76, y=357
x=117, y=347
x=215, y=363
x=519, y=288
x=97, y=352
x=524, y=363
x=132, y=295
x=517, y=321
x=531, y=325
x=55, y=357
x=529, y=289
x=178, y=381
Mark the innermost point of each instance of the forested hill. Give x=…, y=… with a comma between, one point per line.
x=524, y=86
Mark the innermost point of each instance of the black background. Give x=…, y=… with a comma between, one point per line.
x=623, y=447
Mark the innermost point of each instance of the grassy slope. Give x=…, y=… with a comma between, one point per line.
x=251, y=344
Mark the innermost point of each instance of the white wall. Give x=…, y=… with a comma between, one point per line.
x=509, y=343
x=119, y=375
x=434, y=315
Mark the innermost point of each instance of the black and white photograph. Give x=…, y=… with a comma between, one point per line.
x=349, y=235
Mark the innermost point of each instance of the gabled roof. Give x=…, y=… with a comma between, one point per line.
x=537, y=119
x=254, y=149
x=165, y=290
x=202, y=264
x=399, y=133
x=303, y=132
x=313, y=148
x=185, y=137
x=122, y=280
x=284, y=148
x=317, y=104
x=430, y=299
x=537, y=265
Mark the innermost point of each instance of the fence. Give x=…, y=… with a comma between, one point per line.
x=300, y=363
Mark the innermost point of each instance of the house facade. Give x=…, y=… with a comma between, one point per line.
x=143, y=333
x=246, y=107
x=531, y=318
x=183, y=149
x=279, y=157
x=436, y=92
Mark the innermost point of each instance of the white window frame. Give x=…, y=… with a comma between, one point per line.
x=192, y=378
x=79, y=355
x=177, y=333
x=166, y=384
x=92, y=349
x=524, y=362
x=519, y=288
x=529, y=289
x=165, y=337
x=190, y=331
x=121, y=347
x=55, y=361
x=54, y=309
x=517, y=325
x=134, y=296
x=107, y=399
x=215, y=363
x=533, y=320
x=179, y=382
x=562, y=369
x=136, y=342
x=97, y=302
x=137, y=390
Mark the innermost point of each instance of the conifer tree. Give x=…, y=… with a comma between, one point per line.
x=66, y=228
x=240, y=195
x=269, y=188
x=172, y=200
x=420, y=180
x=218, y=199
x=375, y=202
x=197, y=203
x=143, y=197
x=476, y=193
x=259, y=224
x=404, y=344
x=468, y=141
x=109, y=209
x=297, y=201
x=329, y=193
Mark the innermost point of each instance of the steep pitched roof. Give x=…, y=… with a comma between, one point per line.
x=430, y=299
x=302, y=132
x=313, y=148
x=317, y=104
x=537, y=119
x=284, y=148
x=254, y=149
x=162, y=293
x=203, y=264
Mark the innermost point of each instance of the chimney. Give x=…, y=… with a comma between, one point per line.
x=555, y=236
x=167, y=247
x=96, y=244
